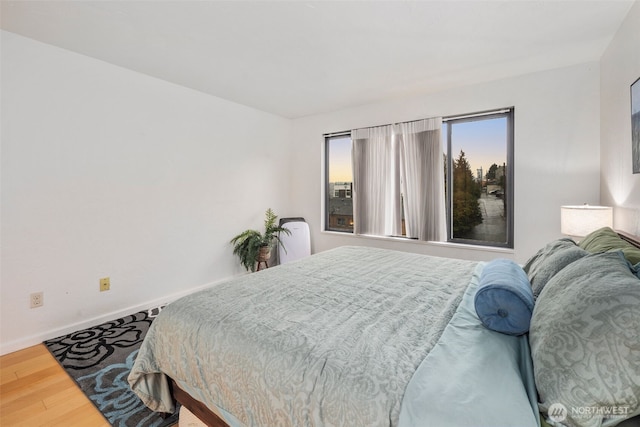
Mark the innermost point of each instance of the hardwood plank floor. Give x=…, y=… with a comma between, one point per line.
x=36, y=391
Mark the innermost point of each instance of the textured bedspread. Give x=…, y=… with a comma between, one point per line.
x=329, y=340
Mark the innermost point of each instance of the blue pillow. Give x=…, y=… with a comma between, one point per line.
x=504, y=299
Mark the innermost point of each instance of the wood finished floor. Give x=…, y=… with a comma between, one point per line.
x=36, y=391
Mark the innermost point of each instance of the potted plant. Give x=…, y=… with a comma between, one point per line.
x=252, y=247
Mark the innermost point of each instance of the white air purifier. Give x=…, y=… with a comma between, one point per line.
x=297, y=244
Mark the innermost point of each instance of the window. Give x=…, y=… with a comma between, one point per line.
x=339, y=204
x=478, y=176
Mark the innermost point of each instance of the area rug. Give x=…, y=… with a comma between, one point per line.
x=99, y=359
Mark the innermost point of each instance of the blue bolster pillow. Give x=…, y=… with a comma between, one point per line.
x=504, y=299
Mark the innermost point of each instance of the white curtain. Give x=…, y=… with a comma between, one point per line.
x=422, y=177
x=376, y=182
x=394, y=160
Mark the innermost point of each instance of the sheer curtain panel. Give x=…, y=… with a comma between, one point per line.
x=376, y=182
x=422, y=178
x=395, y=167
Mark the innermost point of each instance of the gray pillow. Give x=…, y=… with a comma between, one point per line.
x=549, y=260
x=585, y=340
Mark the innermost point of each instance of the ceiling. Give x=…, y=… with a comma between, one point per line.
x=299, y=58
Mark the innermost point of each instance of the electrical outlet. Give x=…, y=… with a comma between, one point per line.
x=37, y=299
x=105, y=284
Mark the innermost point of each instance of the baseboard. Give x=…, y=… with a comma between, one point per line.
x=35, y=339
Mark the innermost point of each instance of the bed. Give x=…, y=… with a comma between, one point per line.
x=370, y=337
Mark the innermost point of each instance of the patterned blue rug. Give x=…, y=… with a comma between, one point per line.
x=99, y=359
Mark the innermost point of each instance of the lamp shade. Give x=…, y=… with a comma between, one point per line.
x=581, y=220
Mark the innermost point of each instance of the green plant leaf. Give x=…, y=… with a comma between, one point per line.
x=247, y=244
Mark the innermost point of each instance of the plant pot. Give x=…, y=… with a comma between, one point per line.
x=265, y=254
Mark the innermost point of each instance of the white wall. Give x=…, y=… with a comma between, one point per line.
x=556, y=152
x=620, y=67
x=107, y=172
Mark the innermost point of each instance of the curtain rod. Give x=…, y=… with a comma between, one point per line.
x=344, y=132
x=478, y=114
x=444, y=119
x=348, y=132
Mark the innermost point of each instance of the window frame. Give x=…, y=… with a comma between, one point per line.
x=509, y=114
x=327, y=186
